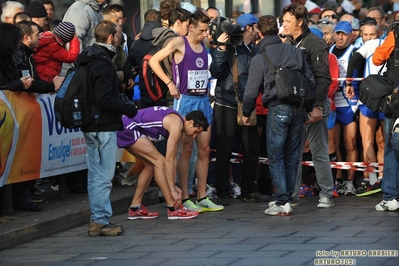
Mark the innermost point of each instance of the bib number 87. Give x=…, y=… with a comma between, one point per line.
x=199, y=84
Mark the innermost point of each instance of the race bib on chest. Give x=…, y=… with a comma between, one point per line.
x=197, y=82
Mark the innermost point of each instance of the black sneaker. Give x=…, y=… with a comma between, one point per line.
x=256, y=196
x=224, y=200
x=37, y=198
x=32, y=207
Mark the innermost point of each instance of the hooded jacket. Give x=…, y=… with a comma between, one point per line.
x=85, y=15
x=261, y=77
x=51, y=53
x=104, y=92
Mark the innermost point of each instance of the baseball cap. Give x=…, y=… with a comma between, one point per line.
x=355, y=23
x=247, y=19
x=316, y=30
x=343, y=26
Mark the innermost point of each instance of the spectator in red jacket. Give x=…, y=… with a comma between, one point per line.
x=51, y=52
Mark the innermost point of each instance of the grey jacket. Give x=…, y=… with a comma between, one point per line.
x=85, y=15
x=261, y=78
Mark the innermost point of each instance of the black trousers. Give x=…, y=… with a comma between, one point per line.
x=227, y=130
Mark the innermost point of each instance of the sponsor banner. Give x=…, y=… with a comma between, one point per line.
x=33, y=145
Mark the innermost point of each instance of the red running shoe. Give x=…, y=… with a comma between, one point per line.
x=181, y=214
x=141, y=213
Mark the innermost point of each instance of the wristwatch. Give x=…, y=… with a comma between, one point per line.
x=319, y=107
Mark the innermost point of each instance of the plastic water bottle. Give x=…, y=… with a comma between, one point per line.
x=77, y=113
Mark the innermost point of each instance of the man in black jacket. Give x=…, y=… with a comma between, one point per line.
x=225, y=113
x=284, y=121
x=295, y=23
x=100, y=134
x=30, y=39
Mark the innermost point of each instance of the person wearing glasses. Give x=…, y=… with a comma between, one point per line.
x=329, y=14
x=379, y=15
x=327, y=27
x=155, y=124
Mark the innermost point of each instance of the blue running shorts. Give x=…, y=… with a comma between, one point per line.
x=188, y=103
x=332, y=120
x=367, y=112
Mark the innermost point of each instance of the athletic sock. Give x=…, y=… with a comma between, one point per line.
x=135, y=207
x=373, y=178
x=334, y=158
x=349, y=184
x=184, y=200
x=201, y=199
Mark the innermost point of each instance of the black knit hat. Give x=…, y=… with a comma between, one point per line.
x=36, y=10
x=65, y=30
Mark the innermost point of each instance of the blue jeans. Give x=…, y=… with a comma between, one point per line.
x=390, y=182
x=283, y=137
x=101, y=159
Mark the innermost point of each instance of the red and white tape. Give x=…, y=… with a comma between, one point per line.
x=348, y=79
x=356, y=166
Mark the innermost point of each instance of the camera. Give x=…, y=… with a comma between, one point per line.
x=223, y=24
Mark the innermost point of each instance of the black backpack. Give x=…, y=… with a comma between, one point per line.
x=75, y=87
x=292, y=86
x=156, y=88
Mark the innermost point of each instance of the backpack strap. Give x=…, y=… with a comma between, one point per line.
x=235, y=76
x=396, y=50
x=269, y=62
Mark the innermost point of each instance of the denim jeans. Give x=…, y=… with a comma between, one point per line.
x=227, y=130
x=283, y=138
x=317, y=134
x=101, y=159
x=390, y=182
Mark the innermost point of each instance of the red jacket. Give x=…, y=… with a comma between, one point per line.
x=334, y=72
x=260, y=110
x=51, y=53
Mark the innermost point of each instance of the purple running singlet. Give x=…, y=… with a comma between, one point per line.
x=191, y=74
x=147, y=123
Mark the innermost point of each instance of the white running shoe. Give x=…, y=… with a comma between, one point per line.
x=387, y=205
x=279, y=210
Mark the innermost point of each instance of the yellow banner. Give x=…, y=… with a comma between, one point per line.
x=33, y=145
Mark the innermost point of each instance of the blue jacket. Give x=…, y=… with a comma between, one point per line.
x=222, y=69
x=261, y=78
